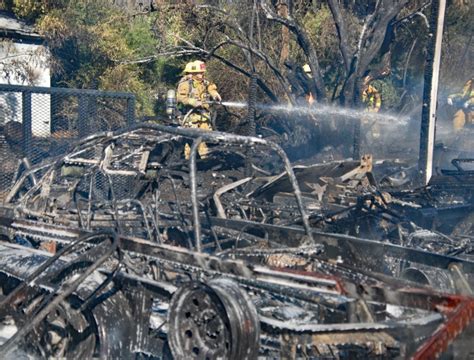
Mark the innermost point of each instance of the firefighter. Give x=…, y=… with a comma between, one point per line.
x=373, y=102
x=464, y=103
x=193, y=93
x=309, y=95
x=371, y=97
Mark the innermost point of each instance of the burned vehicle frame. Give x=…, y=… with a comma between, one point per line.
x=123, y=277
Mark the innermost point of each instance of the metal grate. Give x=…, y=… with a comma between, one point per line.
x=37, y=123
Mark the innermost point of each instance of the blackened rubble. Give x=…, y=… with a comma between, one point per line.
x=122, y=247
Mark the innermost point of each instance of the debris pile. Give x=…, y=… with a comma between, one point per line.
x=123, y=248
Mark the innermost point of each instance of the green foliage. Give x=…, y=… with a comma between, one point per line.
x=28, y=9
x=390, y=94
x=139, y=38
x=320, y=27
x=458, y=47
x=95, y=45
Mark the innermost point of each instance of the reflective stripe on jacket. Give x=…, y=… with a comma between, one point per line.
x=372, y=99
x=191, y=90
x=466, y=95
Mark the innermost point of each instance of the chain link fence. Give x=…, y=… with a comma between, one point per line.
x=37, y=123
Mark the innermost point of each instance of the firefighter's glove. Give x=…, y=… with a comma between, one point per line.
x=217, y=97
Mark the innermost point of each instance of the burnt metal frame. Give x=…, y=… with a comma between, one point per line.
x=198, y=136
x=217, y=137
x=337, y=241
x=415, y=255
x=457, y=315
x=61, y=293
x=458, y=310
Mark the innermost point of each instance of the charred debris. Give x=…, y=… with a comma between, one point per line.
x=122, y=248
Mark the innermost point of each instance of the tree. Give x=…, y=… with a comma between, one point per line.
x=89, y=39
x=365, y=50
x=262, y=42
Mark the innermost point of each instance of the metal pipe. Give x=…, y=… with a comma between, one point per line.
x=192, y=175
x=178, y=204
x=27, y=127
x=21, y=181
x=64, y=91
x=224, y=189
x=27, y=164
x=154, y=216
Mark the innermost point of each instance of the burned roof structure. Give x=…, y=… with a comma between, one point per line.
x=12, y=28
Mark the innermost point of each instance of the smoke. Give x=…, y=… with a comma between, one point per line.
x=451, y=144
x=382, y=134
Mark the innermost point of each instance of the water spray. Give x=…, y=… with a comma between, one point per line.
x=324, y=110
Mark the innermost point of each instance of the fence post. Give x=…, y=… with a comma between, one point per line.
x=130, y=111
x=27, y=124
x=82, y=120
x=92, y=112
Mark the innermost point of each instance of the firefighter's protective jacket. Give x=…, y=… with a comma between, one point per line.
x=372, y=99
x=466, y=97
x=464, y=102
x=191, y=90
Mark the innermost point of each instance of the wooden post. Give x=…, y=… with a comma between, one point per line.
x=430, y=91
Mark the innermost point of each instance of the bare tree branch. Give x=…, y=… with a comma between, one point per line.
x=317, y=84
x=414, y=13
x=283, y=81
x=407, y=62
x=370, y=43
x=341, y=32
x=374, y=38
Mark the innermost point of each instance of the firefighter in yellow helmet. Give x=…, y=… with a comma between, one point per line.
x=193, y=93
x=309, y=96
x=373, y=102
x=371, y=97
x=464, y=102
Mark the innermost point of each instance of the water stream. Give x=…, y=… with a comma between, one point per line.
x=326, y=110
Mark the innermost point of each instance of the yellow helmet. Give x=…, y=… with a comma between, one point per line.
x=194, y=67
x=306, y=68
